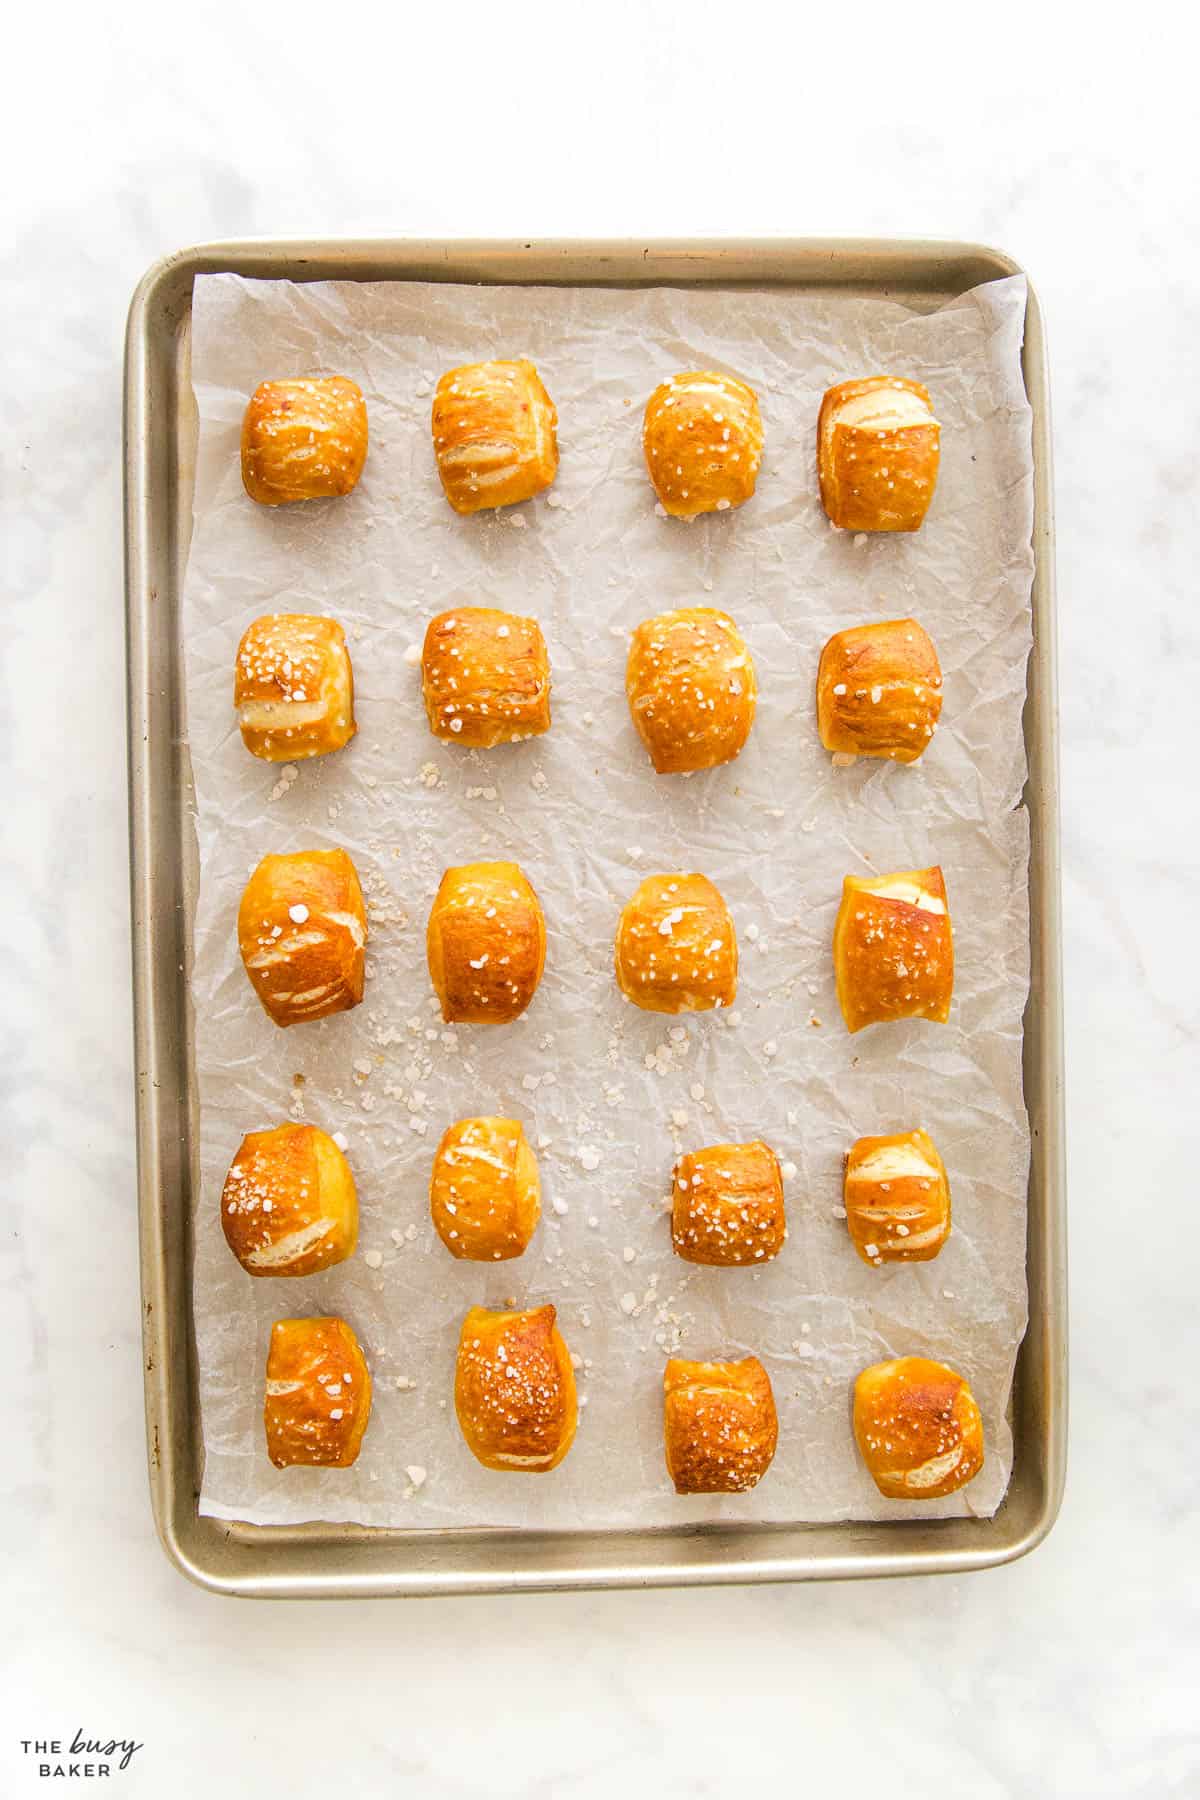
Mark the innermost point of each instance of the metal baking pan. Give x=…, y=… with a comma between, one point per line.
x=323, y=1559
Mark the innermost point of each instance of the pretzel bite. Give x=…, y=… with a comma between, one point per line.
x=289, y=1205
x=302, y=928
x=877, y=453
x=514, y=1390
x=293, y=687
x=719, y=1425
x=918, y=1428
x=692, y=689
x=486, y=943
x=703, y=439
x=493, y=434
x=879, y=691
x=303, y=440
x=485, y=677
x=676, y=946
x=318, y=1394
x=727, y=1205
x=484, y=1194
x=897, y=1198
x=893, y=951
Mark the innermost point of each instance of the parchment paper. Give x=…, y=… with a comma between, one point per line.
x=610, y=1095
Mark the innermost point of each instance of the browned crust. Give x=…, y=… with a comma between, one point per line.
x=486, y=943
x=873, y=479
x=896, y=1211
x=320, y=1420
x=720, y=1427
x=304, y=439
x=692, y=689
x=892, y=958
x=291, y=663
x=484, y=1191
x=676, y=948
x=485, y=677
x=879, y=691
x=727, y=1205
x=703, y=437
x=304, y=968
x=494, y=434
x=514, y=1390
x=914, y=1420
x=289, y=1206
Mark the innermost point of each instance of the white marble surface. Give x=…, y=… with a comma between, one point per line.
x=127, y=133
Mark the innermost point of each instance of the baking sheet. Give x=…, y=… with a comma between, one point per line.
x=608, y=1094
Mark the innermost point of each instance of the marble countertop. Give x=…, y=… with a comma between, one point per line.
x=1071, y=1673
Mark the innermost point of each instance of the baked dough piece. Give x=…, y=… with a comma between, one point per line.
x=893, y=950
x=293, y=687
x=897, y=1198
x=302, y=927
x=879, y=691
x=877, y=453
x=485, y=676
x=303, y=440
x=486, y=943
x=676, y=946
x=719, y=1425
x=494, y=434
x=691, y=687
x=514, y=1389
x=484, y=1195
x=703, y=440
x=918, y=1428
x=289, y=1205
x=727, y=1205
x=318, y=1394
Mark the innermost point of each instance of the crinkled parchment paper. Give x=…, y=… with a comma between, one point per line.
x=608, y=1094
